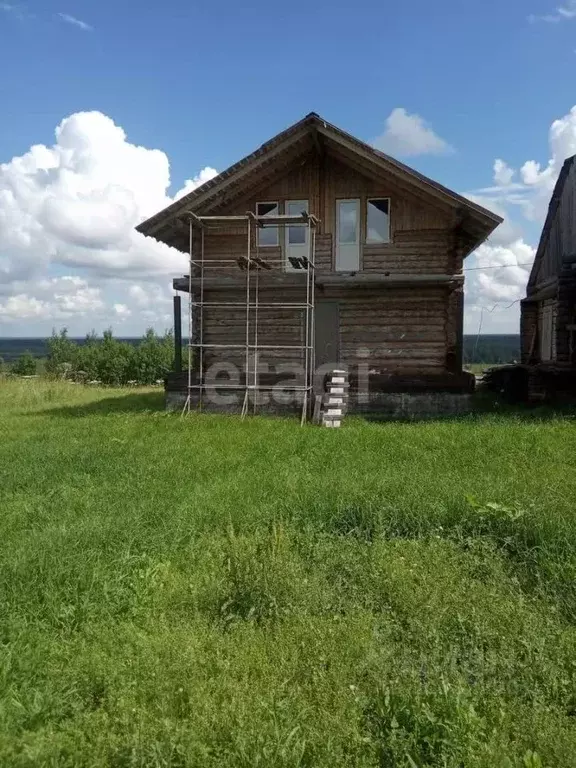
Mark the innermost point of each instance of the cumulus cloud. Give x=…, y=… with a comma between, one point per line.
x=69, y=253
x=524, y=205
x=407, y=135
x=503, y=174
x=55, y=299
x=191, y=184
x=72, y=207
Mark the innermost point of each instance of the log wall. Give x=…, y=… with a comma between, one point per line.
x=413, y=330
x=398, y=330
x=529, y=345
x=566, y=318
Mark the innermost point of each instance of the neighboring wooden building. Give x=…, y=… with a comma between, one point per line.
x=548, y=313
x=389, y=251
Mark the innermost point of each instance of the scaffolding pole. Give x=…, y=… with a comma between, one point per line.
x=252, y=264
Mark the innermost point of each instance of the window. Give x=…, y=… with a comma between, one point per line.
x=378, y=221
x=267, y=236
x=296, y=234
x=347, y=235
x=347, y=221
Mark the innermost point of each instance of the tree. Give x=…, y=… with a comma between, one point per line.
x=25, y=365
x=114, y=360
x=62, y=353
x=152, y=358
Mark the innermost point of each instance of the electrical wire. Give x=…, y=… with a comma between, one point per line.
x=496, y=266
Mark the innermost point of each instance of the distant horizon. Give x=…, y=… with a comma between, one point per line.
x=490, y=347
x=139, y=336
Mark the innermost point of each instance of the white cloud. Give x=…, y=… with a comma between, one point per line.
x=503, y=174
x=561, y=13
x=16, y=10
x=524, y=204
x=408, y=135
x=73, y=207
x=68, y=19
x=497, y=274
x=69, y=253
x=532, y=193
x=191, y=184
x=122, y=311
x=55, y=299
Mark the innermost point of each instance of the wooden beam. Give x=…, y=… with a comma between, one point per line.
x=459, y=362
x=318, y=144
x=383, y=278
x=275, y=280
x=177, y=334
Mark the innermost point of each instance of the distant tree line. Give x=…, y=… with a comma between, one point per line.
x=117, y=362
x=491, y=349
x=106, y=360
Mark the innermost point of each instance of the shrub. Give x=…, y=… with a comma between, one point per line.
x=25, y=365
x=152, y=358
x=110, y=361
x=114, y=360
x=62, y=353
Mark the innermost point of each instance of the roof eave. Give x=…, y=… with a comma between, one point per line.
x=213, y=186
x=484, y=220
x=550, y=218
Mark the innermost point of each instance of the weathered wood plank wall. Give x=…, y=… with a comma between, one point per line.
x=562, y=237
x=398, y=330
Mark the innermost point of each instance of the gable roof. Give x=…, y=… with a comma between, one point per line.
x=477, y=222
x=550, y=218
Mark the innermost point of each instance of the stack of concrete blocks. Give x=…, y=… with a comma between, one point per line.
x=335, y=399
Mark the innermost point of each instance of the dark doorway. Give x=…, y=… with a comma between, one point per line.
x=327, y=332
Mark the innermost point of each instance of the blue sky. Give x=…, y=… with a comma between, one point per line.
x=206, y=82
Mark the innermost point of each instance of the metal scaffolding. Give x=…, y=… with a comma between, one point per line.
x=251, y=265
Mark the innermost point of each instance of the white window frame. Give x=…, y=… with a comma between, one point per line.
x=378, y=242
x=344, y=253
x=297, y=250
x=275, y=229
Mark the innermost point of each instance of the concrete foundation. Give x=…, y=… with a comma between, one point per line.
x=412, y=405
x=380, y=405
x=231, y=402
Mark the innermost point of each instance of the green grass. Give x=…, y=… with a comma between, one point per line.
x=211, y=592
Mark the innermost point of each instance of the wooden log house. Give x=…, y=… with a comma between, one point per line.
x=548, y=313
x=388, y=256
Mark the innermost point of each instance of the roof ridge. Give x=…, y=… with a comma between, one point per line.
x=150, y=225
x=553, y=206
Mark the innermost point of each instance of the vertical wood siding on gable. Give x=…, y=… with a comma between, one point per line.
x=421, y=237
x=562, y=238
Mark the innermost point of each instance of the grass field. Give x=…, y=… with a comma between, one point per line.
x=210, y=592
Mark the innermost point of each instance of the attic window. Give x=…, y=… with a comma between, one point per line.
x=378, y=220
x=267, y=236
